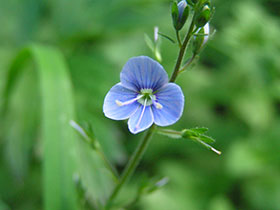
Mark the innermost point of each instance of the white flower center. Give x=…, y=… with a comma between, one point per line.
x=145, y=97
x=148, y=98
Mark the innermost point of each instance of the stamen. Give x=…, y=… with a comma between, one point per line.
x=142, y=114
x=119, y=103
x=157, y=105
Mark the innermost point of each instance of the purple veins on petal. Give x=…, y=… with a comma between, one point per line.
x=143, y=72
x=171, y=98
x=119, y=93
x=141, y=119
x=181, y=7
x=144, y=96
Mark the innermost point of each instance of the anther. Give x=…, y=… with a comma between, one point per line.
x=158, y=105
x=119, y=103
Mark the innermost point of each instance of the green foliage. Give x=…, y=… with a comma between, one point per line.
x=234, y=91
x=60, y=148
x=195, y=134
x=56, y=112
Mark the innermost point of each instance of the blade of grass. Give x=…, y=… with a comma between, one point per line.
x=63, y=153
x=57, y=110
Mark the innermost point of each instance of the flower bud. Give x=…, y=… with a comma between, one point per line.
x=180, y=13
x=201, y=39
x=204, y=16
x=155, y=34
x=206, y=29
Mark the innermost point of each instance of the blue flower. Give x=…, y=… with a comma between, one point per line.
x=144, y=96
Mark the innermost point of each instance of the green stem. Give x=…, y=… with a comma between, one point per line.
x=132, y=164
x=178, y=38
x=190, y=61
x=108, y=165
x=182, y=52
x=95, y=145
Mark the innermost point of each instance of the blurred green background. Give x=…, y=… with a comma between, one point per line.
x=234, y=91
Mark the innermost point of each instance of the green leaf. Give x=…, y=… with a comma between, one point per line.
x=198, y=41
x=156, y=185
x=185, y=15
x=206, y=139
x=3, y=206
x=18, y=145
x=198, y=140
x=167, y=37
x=57, y=110
x=195, y=134
x=63, y=154
x=158, y=55
x=200, y=130
x=204, y=16
x=90, y=139
x=146, y=187
x=175, y=14
x=188, y=133
x=149, y=42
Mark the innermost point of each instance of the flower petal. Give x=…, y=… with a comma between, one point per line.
x=136, y=125
x=120, y=93
x=143, y=72
x=172, y=100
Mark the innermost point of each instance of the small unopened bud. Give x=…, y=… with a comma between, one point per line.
x=201, y=38
x=206, y=32
x=203, y=17
x=180, y=13
x=181, y=7
x=155, y=33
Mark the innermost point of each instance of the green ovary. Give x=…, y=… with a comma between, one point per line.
x=147, y=95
